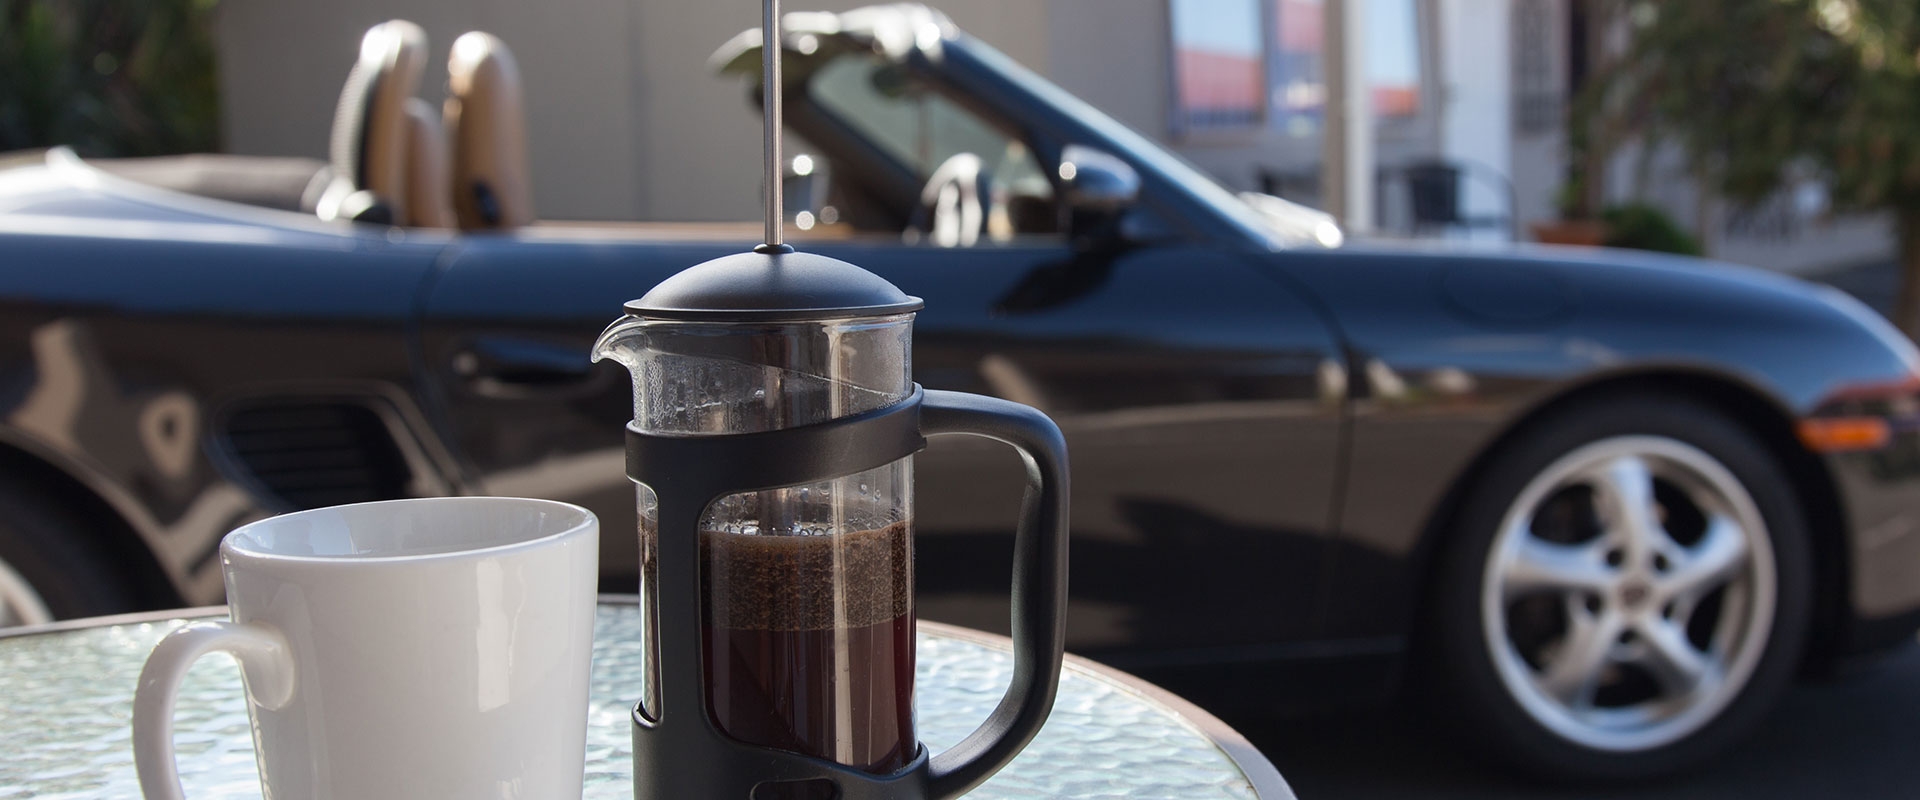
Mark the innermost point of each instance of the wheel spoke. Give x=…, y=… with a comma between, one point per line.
x=1627, y=496
x=1670, y=656
x=1574, y=672
x=1538, y=565
x=1717, y=558
x=1684, y=604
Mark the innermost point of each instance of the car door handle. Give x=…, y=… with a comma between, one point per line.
x=505, y=366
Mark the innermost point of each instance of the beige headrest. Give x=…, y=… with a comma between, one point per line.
x=369, y=145
x=486, y=119
x=428, y=205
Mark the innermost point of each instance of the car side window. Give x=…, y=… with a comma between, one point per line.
x=931, y=135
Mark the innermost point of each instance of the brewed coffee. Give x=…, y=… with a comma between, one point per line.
x=809, y=643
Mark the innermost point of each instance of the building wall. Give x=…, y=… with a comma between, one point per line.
x=1539, y=67
x=625, y=120
x=1114, y=55
x=282, y=64
x=1476, y=127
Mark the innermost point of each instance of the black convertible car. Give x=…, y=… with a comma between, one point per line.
x=1599, y=508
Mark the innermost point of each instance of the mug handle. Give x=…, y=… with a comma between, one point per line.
x=262, y=653
x=1039, y=583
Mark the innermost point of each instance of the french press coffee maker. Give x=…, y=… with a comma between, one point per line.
x=775, y=420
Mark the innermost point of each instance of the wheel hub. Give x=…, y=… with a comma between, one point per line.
x=1634, y=594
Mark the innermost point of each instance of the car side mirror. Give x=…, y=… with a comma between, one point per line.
x=1098, y=190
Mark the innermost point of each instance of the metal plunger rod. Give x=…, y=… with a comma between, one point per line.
x=774, y=513
x=770, y=91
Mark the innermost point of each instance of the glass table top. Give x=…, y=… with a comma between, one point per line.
x=66, y=701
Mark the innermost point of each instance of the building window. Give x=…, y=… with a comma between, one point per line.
x=1299, y=67
x=1394, y=59
x=1228, y=74
x=1538, y=79
x=1219, y=70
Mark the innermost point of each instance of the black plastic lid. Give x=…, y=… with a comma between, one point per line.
x=773, y=285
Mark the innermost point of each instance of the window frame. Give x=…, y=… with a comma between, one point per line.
x=1395, y=135
x=1425, y=123
x=1177, y=124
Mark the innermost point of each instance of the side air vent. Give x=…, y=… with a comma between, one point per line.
x=312, y=454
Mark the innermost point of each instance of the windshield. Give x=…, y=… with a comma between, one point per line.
x=917, y=125
x=1145, y=154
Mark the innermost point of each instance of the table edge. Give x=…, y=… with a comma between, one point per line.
x=130, y=618
x=1265, y=777
x=1260, y=771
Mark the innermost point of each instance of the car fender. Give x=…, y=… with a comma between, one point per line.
x=1441, y=373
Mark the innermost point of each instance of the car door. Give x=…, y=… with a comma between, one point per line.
x=1197, y=394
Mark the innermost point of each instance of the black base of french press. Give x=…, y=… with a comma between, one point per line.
x=681, y=754
x=667, y=767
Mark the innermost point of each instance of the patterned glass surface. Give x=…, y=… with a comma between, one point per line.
x=66, y=701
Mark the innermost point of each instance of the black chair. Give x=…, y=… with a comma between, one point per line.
x=1433, y=197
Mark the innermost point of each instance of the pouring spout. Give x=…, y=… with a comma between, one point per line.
x=622, y=342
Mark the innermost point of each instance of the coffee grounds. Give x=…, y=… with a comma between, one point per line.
x=786, y=583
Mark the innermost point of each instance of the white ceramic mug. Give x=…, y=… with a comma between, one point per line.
x=404, y=649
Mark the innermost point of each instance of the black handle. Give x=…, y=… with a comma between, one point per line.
x=1039, y=583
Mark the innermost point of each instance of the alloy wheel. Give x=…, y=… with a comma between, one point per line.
x=1629, y=593
x=19, y=603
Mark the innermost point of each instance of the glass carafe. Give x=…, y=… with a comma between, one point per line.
x=807, y=623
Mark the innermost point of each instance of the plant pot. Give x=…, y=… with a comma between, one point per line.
x=1575, y=232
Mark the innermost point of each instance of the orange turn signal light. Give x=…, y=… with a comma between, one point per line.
x=1845, y=434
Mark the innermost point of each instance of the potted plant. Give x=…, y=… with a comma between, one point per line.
x=1589, y=138
x=1576, y=225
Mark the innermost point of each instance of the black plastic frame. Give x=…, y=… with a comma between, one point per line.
x=677, y=750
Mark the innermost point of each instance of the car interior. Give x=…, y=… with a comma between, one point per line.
x=884, y=152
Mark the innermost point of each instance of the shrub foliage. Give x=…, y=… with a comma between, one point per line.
x=108, y=77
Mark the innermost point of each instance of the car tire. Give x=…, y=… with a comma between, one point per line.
x=1575, y=638
x=50, y=567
